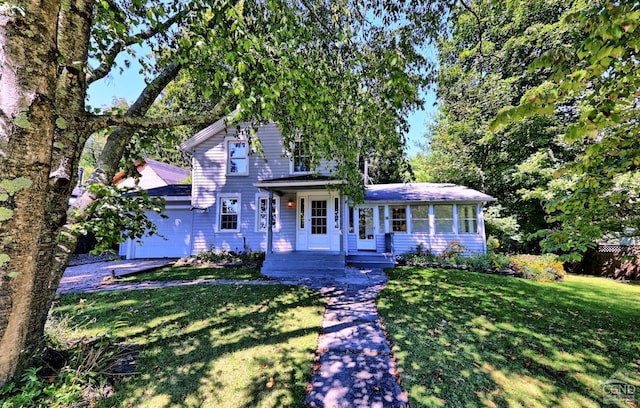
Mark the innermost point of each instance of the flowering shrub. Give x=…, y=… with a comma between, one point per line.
x=545, y=268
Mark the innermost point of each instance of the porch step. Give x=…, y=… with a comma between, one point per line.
x=371, y=261
x=295, y=264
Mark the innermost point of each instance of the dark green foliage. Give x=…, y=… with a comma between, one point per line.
x=119, y=214
x=483, y=67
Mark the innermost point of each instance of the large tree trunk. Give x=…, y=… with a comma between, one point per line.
x=28, y=64
x=74, y=30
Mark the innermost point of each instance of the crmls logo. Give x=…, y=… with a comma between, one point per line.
x=616, y=391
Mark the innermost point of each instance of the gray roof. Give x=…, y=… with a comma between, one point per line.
x=169, y=173
x=423, y=192
x=173, y=190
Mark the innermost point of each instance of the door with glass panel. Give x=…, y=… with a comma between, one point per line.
x=366, y=228
x=318, y=237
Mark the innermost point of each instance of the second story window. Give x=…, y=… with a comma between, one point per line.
x=300, y=158
x=237, y=157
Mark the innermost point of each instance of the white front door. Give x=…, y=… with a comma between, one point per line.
x=318, y=223
x=318, y=226
x=366, y=228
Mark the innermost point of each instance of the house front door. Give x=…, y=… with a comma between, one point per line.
x=317, y=230
x=366, y=229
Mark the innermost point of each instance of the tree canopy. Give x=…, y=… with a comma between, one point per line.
x=342, y=74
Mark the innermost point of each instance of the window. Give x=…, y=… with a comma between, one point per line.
x=420, y=218
x=229, y=209
x=467, y=219
x=399, y=219
x=318, y=217
x=300, y=158
x=351, y=218
x=336, y=213
x=263, y=208
x=301, y=213
x=444, y=218
x=238, y=157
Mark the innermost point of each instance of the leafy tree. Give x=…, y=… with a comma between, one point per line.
x=342, y=73
x=596, y=195
x=483, y=66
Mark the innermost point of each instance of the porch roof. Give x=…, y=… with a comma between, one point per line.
x=307, y=181
x=423, y=192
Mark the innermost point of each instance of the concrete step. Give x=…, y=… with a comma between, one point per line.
x=303, y=263
x=371, y=261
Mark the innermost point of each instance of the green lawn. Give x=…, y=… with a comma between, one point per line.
x=468, y=339
x=219, y=346
x=194, y=272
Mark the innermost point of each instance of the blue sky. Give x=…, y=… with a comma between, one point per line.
x=130, y=83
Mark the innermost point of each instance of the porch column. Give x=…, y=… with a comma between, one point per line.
x=270, y=223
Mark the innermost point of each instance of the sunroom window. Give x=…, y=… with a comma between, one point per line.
x=399, y=219
x=444, y=218
x=467, y=219
x=420, y=218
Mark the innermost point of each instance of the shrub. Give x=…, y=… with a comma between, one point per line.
x=545, y=268
x=453, y=252
x=216, y=255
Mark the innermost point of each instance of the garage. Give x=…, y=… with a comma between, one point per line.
x=174, y=232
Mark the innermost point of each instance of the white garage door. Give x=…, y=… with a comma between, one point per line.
x=177, y=231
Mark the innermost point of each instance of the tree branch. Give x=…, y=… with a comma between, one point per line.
x=108, y=59
x=480, y=30
x=102, y=121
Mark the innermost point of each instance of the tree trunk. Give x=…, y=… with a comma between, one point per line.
x=74, y=30
x=28, y=64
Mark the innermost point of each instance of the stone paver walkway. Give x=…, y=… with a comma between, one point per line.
x=354, y=366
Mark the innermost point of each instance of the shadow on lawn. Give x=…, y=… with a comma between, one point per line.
x=214, y=346
x=463, y=338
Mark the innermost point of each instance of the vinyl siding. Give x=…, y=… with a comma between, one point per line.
x=404, y=242
x=211, y=181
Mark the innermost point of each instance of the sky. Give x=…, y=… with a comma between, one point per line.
x=130, y=83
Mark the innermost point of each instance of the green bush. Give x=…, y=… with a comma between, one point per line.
x=216, y=255
x=545, y=268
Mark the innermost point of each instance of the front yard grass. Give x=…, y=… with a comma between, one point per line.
x=217, y=346
x=195, y=272
x=468, y=339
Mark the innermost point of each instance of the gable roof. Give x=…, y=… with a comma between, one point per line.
x=168, y=173
x=206, y=133
x=423, y=192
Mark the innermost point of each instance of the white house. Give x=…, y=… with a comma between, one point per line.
x=235, y=193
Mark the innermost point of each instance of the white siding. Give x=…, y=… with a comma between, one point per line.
x=404, y=242
x=210, y=180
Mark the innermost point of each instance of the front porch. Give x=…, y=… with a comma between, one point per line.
x=321, y=263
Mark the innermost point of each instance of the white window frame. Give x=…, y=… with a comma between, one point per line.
x=406, y=219
x=453, y=219
x=228, y=143
x=292, y=164
x=424, y=219
x=276, y=207
x=462, y=220
x=233, y=196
